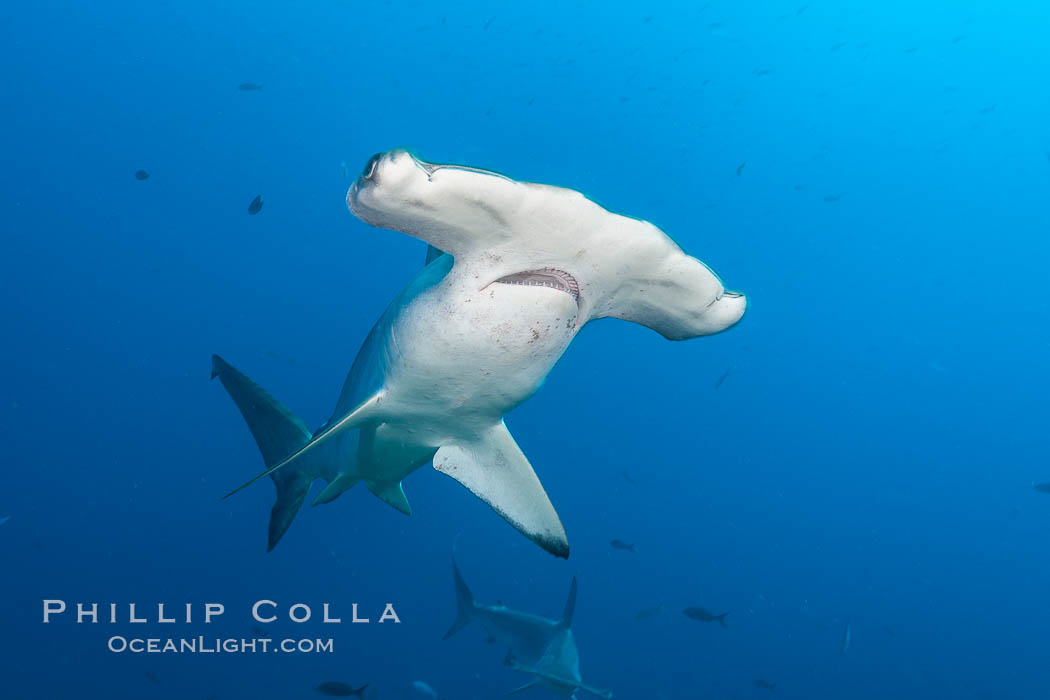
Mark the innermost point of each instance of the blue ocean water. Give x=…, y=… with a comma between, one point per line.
x=860, y=450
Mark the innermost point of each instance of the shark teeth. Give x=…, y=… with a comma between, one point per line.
x=549, y=277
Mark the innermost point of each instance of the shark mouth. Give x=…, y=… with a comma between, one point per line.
x=549, y=277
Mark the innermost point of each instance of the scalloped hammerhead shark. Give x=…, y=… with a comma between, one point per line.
x=536, y=645
x=513, y=271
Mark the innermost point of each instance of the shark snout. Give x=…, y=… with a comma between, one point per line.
x=377, y=195
x=390, y=166
x=371, y=174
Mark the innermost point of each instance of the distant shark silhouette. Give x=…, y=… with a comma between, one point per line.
x=514, y=270
x=544, y=648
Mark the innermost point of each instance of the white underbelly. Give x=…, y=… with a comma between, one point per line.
x=462, y=359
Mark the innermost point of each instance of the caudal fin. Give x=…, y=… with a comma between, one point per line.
x=278, y=433
x=464, y=602
x=722, y=619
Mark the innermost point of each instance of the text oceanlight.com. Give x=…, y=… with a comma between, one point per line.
x=202, y=645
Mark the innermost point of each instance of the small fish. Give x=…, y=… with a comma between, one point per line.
x=765, y=685
x=627, y=477
x=255, y=206
x=836, y=47
x=424, y=688
x=725, y=375
x=762, y=72
x=340, y=690
x=847, y=637
x=1042, y=488
x=152, y=677
x=141, y=175
x=834, y=197
x=705, y=615
x=649, y=612
x=249, y=87
x=620, y=544
x=740, y=168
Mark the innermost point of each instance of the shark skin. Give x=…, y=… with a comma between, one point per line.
x=544, y=648
x=514, y=271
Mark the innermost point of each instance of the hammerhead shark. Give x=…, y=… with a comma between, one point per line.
x=513, y=271
x=544, y=648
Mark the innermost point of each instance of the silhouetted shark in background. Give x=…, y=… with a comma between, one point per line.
x=544, y=648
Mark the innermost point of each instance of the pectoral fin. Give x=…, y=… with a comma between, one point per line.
x=530, y=684
x=559, y=681
x=495, y=470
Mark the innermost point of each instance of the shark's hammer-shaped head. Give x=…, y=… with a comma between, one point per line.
x=504, y=231
x=441, y=204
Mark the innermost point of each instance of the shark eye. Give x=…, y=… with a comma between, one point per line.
x=370, y=166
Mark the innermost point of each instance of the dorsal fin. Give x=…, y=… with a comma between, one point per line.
x=570, y=606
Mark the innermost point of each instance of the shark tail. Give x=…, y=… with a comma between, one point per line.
x=464, y=602
x=278, y=432
x=722, y=619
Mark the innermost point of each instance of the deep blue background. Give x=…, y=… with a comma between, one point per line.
x=869, y=457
